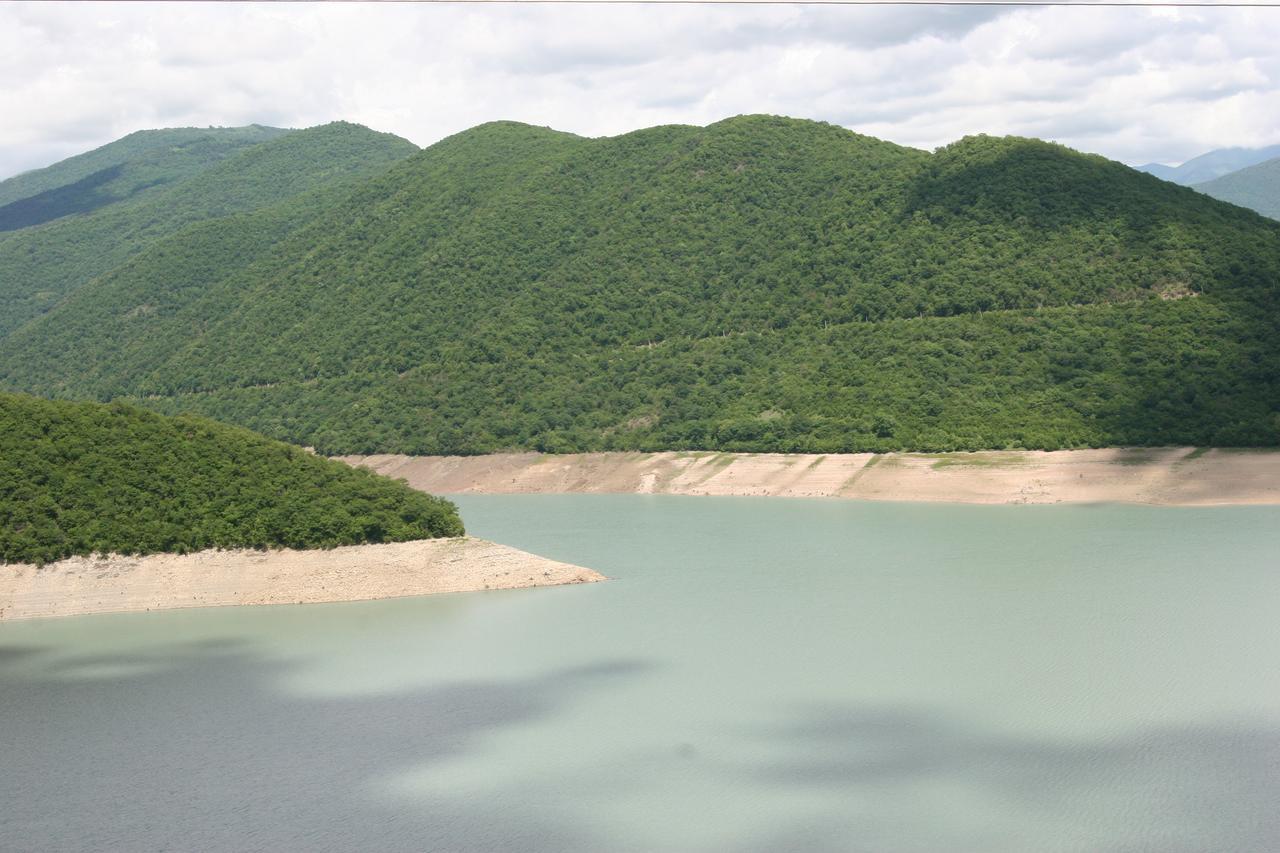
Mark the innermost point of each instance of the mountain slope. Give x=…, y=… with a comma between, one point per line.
x=120, y=170
x=759, y=284
x=79, y=478
x=1160, y=170
x=39, y=266
x=1213, y=164
x=1257, y=188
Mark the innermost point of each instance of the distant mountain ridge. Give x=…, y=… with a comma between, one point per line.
x=1256, y=187
x=1212, y=164
x=759, y=284
x=119, y=170
x=41, y=264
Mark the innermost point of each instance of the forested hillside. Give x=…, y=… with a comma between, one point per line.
x=759, y=284
x=80, y=478
x=120, y=170
x=1257, y=188
x=40, y=265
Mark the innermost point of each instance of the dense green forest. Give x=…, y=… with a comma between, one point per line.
x=1257, y=188
x=83, y=478
x=120, y=170
x=759, y=284
x=41, y=265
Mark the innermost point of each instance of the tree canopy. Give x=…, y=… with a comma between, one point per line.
x=83, y=478
x=60, y=239
x=759, y=284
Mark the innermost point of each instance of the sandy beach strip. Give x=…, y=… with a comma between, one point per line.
x=1182, y=476
x=81, y=585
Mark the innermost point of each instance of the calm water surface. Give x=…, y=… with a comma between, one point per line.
x=761, y=674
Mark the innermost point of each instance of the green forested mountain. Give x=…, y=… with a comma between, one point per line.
x=120, y=170
x=759, y=284
x=40, y=265
x=80, y=478
x=1257, y=188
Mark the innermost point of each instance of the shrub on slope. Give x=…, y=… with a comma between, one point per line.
x=82, y=478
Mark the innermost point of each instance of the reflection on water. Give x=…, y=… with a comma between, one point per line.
x=760, y=675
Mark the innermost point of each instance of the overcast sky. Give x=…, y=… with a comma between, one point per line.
x=1133, y=84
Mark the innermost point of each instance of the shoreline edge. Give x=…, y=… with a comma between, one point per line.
x=1164, y=476
x=118, y=583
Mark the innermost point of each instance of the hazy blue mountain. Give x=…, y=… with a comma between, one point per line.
x=1213, y=164
x=1257, y=188
x=1161, y=171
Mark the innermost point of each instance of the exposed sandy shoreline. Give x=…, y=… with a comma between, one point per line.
x=1171, y=476
x=82, y=585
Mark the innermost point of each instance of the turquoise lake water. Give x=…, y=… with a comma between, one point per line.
x=760, y=674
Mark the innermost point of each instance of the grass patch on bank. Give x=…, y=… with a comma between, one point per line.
x=1137, y=457
x=978, y=460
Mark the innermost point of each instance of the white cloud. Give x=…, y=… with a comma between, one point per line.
x=1134, y=84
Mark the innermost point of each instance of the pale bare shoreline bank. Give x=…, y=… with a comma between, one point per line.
x=82, y=585
x=1181, y=476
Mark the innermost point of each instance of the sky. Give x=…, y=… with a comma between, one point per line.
x=1136, y=85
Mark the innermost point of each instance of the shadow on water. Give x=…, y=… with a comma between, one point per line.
x=1193, y=788
x=10, y=654
x=199, y=751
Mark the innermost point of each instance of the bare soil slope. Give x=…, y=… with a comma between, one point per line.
x=1177, y=475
